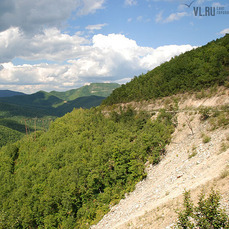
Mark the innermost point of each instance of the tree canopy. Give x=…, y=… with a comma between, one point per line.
x=68, y=176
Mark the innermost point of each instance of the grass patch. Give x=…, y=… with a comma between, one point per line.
x=206, y=138
x=217, y=117
x=193, y=153
x=224, y=173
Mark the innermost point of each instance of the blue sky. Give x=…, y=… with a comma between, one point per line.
x=63, y=44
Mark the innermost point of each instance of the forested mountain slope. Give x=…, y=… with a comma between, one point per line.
x=8, y=93
x=39, y=99
x=96, y=89
x=68, y=176
x=192, y=71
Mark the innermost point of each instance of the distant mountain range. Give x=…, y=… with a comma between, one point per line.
x=98, y=89
x=54, y=103
x=21, y=113
x=9, y=93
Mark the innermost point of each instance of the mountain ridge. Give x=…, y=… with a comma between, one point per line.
x=98, y=89
x=9, y=93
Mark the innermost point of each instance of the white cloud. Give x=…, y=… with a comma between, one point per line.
x=162, y=54
x=130, y=2
x=35, y=15
x=95, y=27
x=172, y=17
x=90, y=6
x=108, y=58
x=175, y=17
x=51, y=45
x=223, y=32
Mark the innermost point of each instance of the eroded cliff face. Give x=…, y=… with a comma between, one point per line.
x=196, y=158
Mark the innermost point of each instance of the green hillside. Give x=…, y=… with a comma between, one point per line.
x=40, y=99
x=82, y=102
x=98, y=89
x=17, y=117
x=8, y=93
x=67, y=177
x=8, y=135
x=192, y=71
x=11, y=110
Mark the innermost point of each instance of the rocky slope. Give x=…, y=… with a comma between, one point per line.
x=197, y=158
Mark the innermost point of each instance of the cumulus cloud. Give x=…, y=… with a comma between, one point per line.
x=107, y=58
x=172, y=17
x=35, y=15
x=51, y=45
x=225, y=31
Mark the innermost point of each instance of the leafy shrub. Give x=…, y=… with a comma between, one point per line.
x=205, y=113
x=206, y=215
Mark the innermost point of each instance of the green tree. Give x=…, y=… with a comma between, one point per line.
x=206, y=215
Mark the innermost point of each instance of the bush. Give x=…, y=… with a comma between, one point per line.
x=205, y=113
x=206, y=215
x=206, y=139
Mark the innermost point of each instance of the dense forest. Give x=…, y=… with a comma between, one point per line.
x=9, y=93
x=69, y=176
x=192, y=71
x=8, y=135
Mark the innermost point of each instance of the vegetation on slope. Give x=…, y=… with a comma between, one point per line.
x=8, y=110
x=97, y=89
x=207, y=214
x=8, y=93
x=8, y=135
x=69, y=176
x=41, y=106
x=85, y=102
x=192, y=71
x=40, y=99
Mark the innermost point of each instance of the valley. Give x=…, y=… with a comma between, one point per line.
x=22, y=114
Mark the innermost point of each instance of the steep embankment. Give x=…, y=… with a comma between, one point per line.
x=197, y=157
